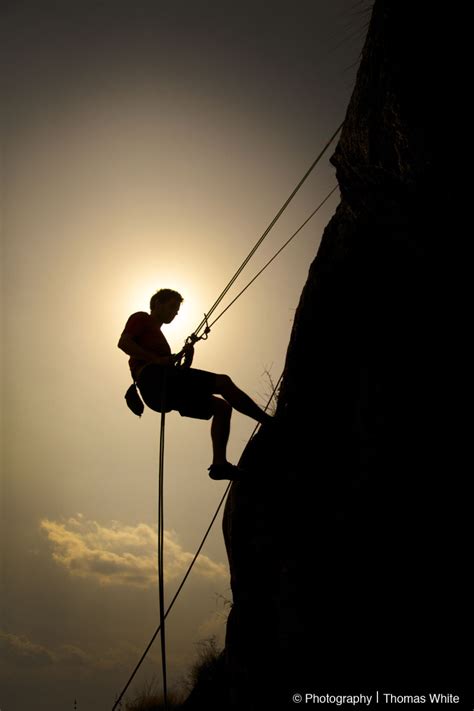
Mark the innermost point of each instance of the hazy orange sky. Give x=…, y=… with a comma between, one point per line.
x=145, y=145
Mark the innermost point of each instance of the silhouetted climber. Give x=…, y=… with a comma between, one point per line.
x=167, y=381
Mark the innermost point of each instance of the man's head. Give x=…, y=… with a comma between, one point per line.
x=165, y=304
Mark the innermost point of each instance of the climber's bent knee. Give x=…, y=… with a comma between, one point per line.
x=221, y=407
x=223, y=382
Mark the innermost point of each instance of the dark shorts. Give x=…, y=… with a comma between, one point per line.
x=187, y=390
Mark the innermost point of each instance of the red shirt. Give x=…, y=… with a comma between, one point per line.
x=145, y=331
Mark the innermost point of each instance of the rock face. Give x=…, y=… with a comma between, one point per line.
x=347, y=546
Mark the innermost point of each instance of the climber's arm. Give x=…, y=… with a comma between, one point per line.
x=129, y=346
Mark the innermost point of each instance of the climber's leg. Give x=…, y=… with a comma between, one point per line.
x=240, y=400
x=220, y=429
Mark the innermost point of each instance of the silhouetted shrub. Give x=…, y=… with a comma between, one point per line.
x=207, y=680
x=151, y=699
x=204, y=685
x=206, y=665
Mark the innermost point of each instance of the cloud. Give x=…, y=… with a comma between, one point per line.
x=18, y=653
x=19, y=649
x=118, y=554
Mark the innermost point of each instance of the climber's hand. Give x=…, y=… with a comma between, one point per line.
x=188, y=355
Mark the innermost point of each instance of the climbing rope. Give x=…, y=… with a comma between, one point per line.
x=191, y=565
x=273, y=258
x=203, y=323
x=161, y=530
x=132, y=675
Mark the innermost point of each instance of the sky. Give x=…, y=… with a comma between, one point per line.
x=144, y=145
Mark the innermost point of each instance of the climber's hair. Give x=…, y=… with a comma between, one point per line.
x=164, y=295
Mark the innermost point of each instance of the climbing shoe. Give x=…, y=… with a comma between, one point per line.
x=225, y=471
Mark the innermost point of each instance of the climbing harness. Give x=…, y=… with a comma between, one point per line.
x=192, y=339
